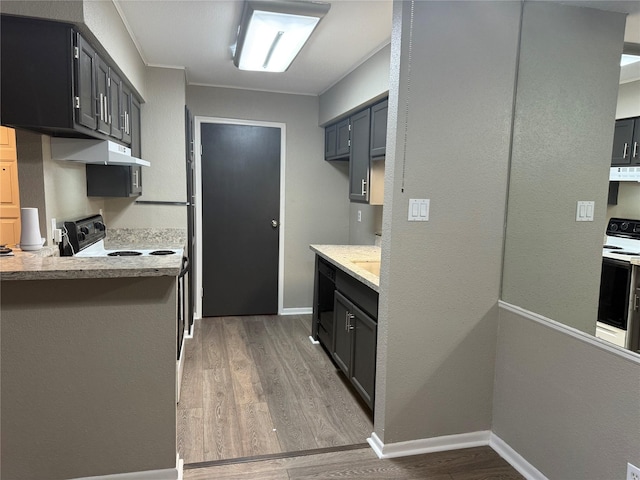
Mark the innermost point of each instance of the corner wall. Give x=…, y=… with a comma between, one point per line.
x=440, y=279
x=570, y=408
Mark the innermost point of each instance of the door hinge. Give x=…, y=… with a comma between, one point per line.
x=108, y=81
x=349, y=143
x=76, y=52
x=76, y=102
x=349, y=127
x=201, y=150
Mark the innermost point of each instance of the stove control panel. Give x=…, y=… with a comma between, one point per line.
x=81, y=233
x=623, y=227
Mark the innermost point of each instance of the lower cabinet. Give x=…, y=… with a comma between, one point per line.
x=355, y=332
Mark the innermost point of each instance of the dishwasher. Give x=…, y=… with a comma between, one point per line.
x=325, y=286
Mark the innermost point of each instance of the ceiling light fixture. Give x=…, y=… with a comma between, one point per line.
x=272, y=33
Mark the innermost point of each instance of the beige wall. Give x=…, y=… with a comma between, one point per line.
x=629, y=193
x=317, y=207
x=88, y=377
x=363, y=232
x=440, y=279
x=569, y=407
x=561, y=155
x=63, y=10
x=163, y=144
x=369, y=81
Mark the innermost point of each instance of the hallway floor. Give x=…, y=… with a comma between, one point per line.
x=256, y=385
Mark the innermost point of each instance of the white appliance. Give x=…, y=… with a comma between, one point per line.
x=30, y=237
x=102, y=152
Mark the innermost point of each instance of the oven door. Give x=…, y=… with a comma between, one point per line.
x=615, y=291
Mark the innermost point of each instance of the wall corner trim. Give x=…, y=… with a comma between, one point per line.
x=165, y=474
x=428, y=445
x=456, y=442
x=516, y=460
x=297, y=311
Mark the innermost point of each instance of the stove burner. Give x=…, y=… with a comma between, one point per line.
x=124, y=253
x=627, y=253
x=612, y=247
x=162, y=252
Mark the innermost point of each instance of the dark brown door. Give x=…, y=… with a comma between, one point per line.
x=240, y=210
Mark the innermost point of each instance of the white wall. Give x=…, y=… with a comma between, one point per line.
x=317, y=208
x=367, y=82
x=440, y=279
x=163, y=145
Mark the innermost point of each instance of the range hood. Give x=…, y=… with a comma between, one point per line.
x=625, y=174
x=102, y=152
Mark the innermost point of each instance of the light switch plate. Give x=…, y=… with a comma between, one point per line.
x=418, y=210
x=584, y=211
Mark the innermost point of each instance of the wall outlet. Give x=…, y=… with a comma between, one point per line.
x=633, y=472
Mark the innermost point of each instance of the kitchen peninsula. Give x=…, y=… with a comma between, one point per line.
x=345, y=311
x=88, y=365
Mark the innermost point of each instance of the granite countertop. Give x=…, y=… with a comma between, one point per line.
x=45, y=264
x=344, y=256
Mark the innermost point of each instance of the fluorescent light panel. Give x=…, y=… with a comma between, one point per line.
x=273, y=33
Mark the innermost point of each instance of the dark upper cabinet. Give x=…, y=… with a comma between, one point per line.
x=54, y=82
x=359, y=157
x=115, y=116
x=626, y=142
x=102, y=94
x=378, y=146
x=134, y=128
x=125, y=113
x=86, y=88
x=114, y=180
x=337, y=141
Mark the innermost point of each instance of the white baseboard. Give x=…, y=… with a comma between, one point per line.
x=516, y=460
x=315, y=342
x=297, y=311
x=165, y=474
x=180, y=369
x=428, y=445
x=456, y=442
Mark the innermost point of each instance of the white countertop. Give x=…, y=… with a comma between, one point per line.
x=344, y=256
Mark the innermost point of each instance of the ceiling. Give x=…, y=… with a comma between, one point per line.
x=197, y=35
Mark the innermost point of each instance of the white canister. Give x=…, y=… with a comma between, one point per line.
x=30, y=238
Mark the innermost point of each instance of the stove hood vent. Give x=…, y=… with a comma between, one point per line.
x=625, y=174
x=102, y=152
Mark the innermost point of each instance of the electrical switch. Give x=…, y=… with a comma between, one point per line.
x=418, y=210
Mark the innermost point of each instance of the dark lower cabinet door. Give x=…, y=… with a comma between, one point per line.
x=341, y=350
x=363, y=358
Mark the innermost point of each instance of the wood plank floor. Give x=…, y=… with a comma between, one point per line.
x=480, y=463
x=257, y=386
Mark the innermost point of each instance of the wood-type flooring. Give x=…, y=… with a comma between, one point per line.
x=480, y=463
x=256, y=386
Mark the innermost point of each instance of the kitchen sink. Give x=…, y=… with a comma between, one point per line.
x=370, y=266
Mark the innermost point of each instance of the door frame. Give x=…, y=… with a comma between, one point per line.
x=198, y=122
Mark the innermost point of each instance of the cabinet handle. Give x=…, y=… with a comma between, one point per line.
x=635, y=302
x=363, y=187
x=626, y=149
x=106, y=110
x=347, y=323
x=101, y=108
x=135, y=178
x=635, y=149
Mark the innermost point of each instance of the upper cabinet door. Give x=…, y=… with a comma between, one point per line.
x=115, y=101
x=635, y=147
x=343, y=140
x=125, y=113
x=135, y=126
x=359, y=157
x=102, y=95
x=330, y=141
x=622, y=142
x=85, y=84
x=379, y=129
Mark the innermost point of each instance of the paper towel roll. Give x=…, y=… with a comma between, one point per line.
x=30, y=238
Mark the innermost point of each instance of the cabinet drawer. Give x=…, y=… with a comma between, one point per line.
x=358, y=293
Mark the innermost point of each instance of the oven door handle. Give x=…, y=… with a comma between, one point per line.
x=185, y=267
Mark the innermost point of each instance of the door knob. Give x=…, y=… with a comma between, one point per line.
x=274, y=223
